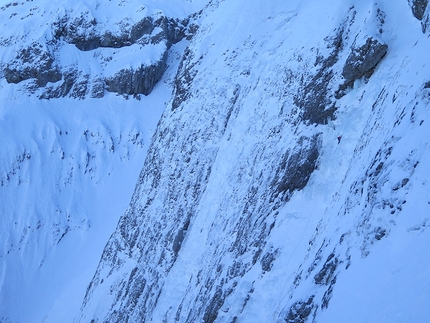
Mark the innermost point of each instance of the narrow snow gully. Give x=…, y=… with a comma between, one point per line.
x=288, y=153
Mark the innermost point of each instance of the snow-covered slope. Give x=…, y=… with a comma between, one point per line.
x=68, y=165
x=286, y=180
x=247, y=208
x=67, y=172
x=67, y=49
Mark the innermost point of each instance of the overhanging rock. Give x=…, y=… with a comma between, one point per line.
x=139, y=80
x=362, y=62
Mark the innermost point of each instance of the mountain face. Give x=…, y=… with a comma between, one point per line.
x=71, y=151
x=286, y=179
x=99, y=34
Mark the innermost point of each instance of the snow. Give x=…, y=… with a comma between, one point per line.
x=52, y=192
x=85, y=158
x=65, y=187
x=371, y=290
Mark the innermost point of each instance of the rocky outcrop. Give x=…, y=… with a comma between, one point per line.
x=362, y=62
x=300, y=311
x=74, y=84
x=418, y=8
x=33, y=62
x=137, y=81
x=316, y=97
x=296, y=167
x=104, y=46
x=421, y=11
x=186, y=74
x=84, y=33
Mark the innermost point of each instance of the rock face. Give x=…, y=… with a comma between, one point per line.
x=33, y=62
x=362, y=61
x=136, y=81
x=183, y=165
x=300, y=311
x=83, y=32
x=421, y=11
x=145, y=41
x=315, y=97
x=418, y=8
x=238, y=155
x=296, y=168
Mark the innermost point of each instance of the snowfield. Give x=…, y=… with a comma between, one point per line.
x=276, y=172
